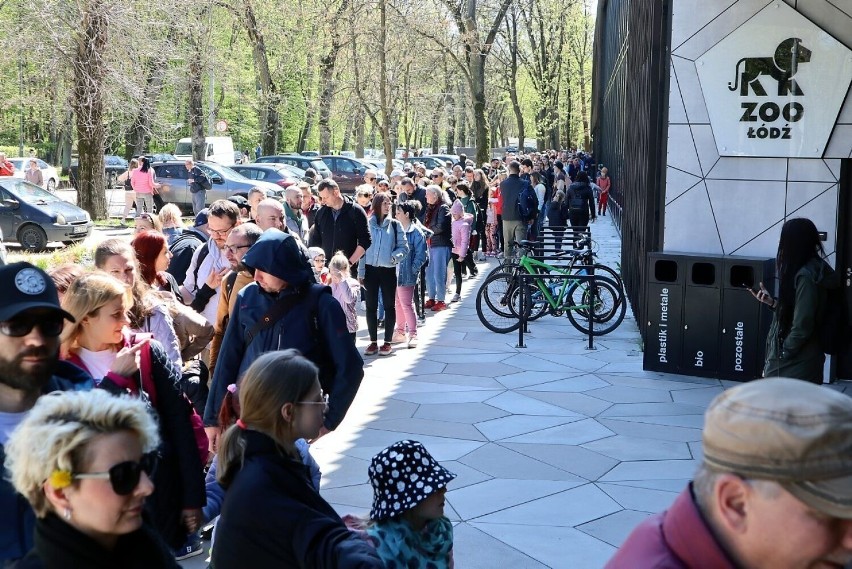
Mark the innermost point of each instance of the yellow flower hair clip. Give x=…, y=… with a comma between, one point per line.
x=60, y=479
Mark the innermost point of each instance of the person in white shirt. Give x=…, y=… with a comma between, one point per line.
x=203, y=280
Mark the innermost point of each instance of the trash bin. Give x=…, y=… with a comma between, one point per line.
x=664, y=306
x=702, y=301
x=745, y=322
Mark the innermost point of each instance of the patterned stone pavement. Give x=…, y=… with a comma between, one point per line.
x=560, y=451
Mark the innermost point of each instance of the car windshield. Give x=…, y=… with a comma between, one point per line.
x=183, y=149
x=295, y=170
x=223, y=171
x=318, y=165
x=27, y=192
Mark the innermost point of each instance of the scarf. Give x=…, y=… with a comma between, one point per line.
x=400, y=546
x=295, y=215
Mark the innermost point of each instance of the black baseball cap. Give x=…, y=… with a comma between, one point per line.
x=24, y=287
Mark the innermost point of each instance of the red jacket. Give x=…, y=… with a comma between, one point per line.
x=675, y=539
x=7, y=168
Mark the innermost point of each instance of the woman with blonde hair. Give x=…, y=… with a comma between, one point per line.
x=272, y=515
x=170, y=217
x=87, y=480
x=121, y=362
x=147, y=313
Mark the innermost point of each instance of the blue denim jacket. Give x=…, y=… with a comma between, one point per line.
x=409, y=268
x=388, y=247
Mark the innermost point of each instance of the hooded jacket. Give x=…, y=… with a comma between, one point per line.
x=439, y=223
x=461, y=229
x=319, y=332
x=17, y=521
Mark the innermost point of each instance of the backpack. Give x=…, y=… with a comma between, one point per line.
x=576, y=202
x=527, y=204
x=834, y=331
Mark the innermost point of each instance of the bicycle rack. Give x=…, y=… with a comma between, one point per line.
x=546, y=249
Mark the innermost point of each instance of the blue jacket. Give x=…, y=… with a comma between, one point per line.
x=274, y=517
x=388, y=247
x=409, y=268
x=216, y=494
x=319, y=332
x=17, y=519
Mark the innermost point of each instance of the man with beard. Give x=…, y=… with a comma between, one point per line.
x=30, y=323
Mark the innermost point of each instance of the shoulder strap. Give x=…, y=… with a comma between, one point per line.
x=146, y=374
x=229, y=283
x=277, y=311
x=201, y=256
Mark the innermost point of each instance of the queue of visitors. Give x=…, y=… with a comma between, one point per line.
x=179, y=383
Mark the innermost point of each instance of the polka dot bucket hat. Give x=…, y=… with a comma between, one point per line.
x=402, y=476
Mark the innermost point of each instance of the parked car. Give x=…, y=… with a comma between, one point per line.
x=114, y=166
x=34, y=217
x=161, y=157
x=48, y=173
x=173, y=177
x=303, y=162
x=452, y=159
x=430, y=162
x=379, y=164
x=309, y=153
x=2, y=250
x=278, y=174
x=347, y=172
x=347, y=153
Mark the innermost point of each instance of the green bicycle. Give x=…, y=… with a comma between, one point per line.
x=498, y=301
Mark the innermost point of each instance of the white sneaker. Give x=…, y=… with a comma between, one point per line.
x=412, y=342
x=456, y=298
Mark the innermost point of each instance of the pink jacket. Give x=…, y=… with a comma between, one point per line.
x=461, y=234
x=678, y=538
x=142, y=182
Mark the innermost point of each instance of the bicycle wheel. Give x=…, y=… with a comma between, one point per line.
x=581, y=303
x=608, y=307
x=498, y=303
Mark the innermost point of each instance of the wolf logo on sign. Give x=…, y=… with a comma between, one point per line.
x=781, y=67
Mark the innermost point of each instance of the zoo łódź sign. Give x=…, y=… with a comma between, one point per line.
x=775, y=85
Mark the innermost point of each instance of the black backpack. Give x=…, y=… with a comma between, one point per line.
x=527, y=204
x=834, y=331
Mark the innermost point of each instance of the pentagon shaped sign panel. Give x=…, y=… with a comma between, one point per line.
x=774, y=86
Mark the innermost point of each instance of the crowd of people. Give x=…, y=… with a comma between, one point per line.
x=178, y=383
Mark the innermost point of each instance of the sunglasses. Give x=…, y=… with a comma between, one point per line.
x=49, y=326
x=436, y=176
x=124, y=476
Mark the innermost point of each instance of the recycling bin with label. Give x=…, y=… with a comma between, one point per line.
x=664, y=307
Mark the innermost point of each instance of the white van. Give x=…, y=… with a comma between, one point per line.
x=220, y=149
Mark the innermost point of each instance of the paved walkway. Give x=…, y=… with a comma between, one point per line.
x=560, y=451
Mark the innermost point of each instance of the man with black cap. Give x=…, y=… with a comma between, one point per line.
x=774, y=489
x=284, y=308
x=31, y=321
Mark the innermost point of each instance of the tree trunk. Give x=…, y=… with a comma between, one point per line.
x=584, y=114
x=196, y=108
x=477, y=75
x=89, y=71
x=359, y=133
x=347, y=131
x=451, y=120
x=436, y=122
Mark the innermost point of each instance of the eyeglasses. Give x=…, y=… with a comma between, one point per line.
x=220, y=231
x=232, y=249
x=49, y=326
x=324, y=401
x=124, y=476
x=436, y=176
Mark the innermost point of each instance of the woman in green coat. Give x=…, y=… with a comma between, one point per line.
x=792, y=347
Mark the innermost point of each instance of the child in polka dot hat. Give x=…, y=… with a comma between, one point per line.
x=408, y=526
